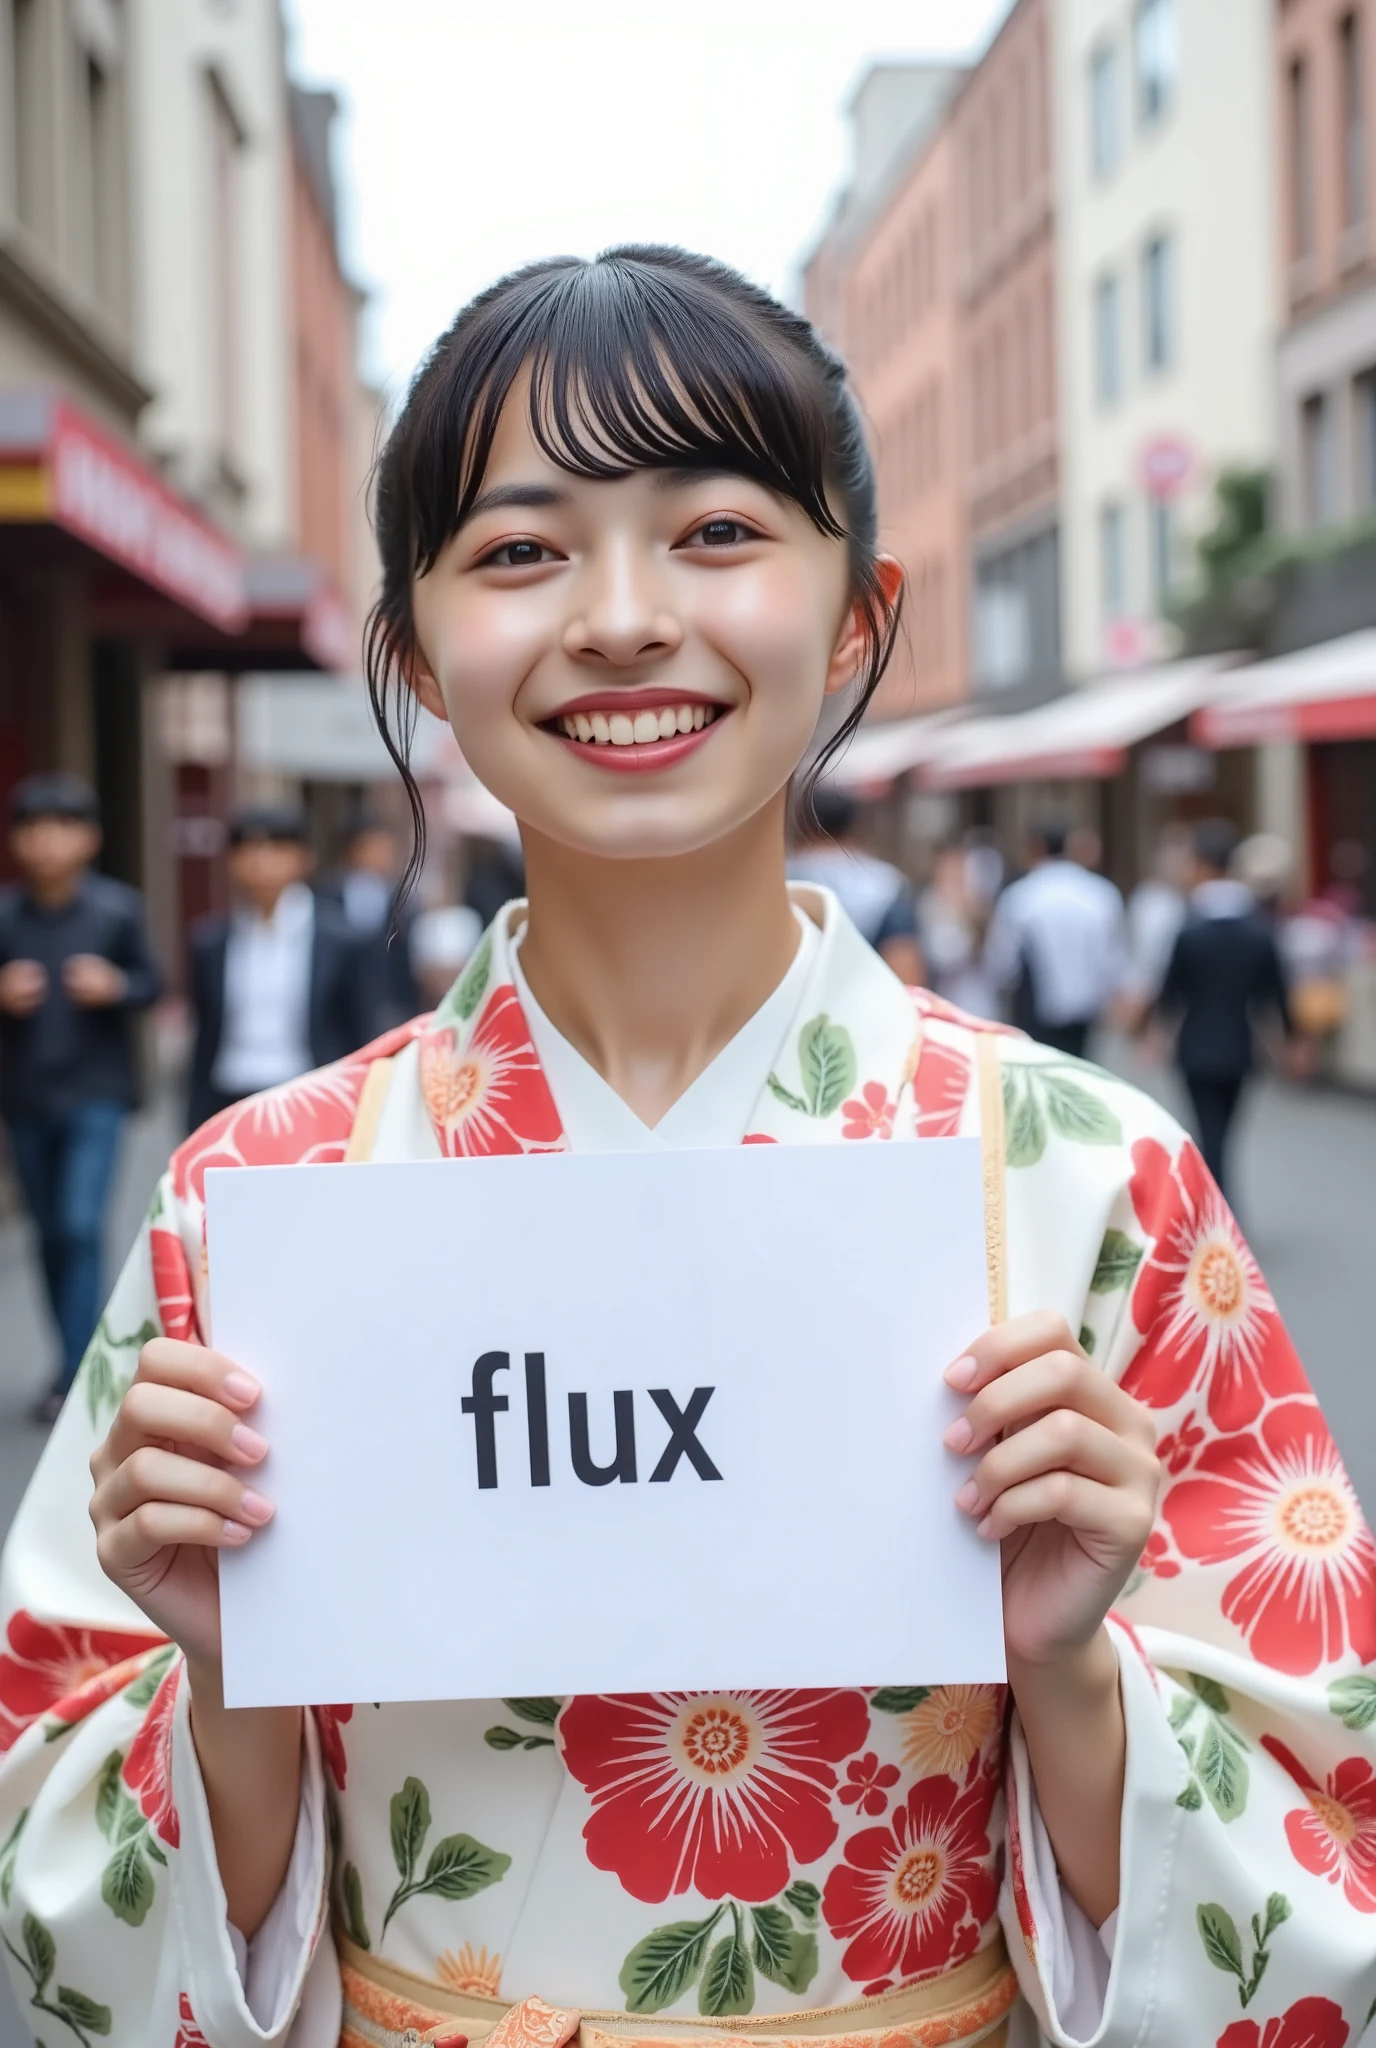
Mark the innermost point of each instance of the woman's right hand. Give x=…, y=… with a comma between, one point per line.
x=171, y=1488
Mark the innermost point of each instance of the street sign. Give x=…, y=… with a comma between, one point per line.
x=1165, y=465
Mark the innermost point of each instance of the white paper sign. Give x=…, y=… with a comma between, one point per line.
x=613, y=1423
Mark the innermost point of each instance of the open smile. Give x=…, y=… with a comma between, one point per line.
x=635, y=731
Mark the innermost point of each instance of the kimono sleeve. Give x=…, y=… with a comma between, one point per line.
x=1247, y=1908
x=111, y=1908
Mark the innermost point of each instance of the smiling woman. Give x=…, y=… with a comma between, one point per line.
x=626, y=522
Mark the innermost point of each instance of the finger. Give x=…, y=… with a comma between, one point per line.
x=157, y=1475
x=1009, y=1344
x=1109, y=1513
x=1060, y=1442
x=197, y=1369
x=151, y=1411
x=162, y=1525
x=1057, y=1379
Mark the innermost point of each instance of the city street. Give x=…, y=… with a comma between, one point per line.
x=1307, y=1171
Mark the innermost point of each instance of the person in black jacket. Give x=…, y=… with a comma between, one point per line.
x=278, y=987
x=366, y=892
x=1225, y=972
x=75, y=967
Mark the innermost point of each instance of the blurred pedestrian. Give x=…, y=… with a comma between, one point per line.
x=75, y=968
x=1155, y=912
x=1057, y=943
x=1323, y=942
x=877, y=897
x=952, y=923
x=278, y=986
x=443, y=939
x=1224, y=975
x=1264, y=862
x=367, y=893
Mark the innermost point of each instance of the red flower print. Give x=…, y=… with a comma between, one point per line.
x=1335, y=1834
x=1278, y=1502
x=911, y=1898
x=489, y=1095
x=302, y=1123
x=718, y=1793
x=172, y=1285
x=1205, y=1312
x=1176, y=1449
x=327, y=1720
x=46, y=1665
x=1312, y=2023
x=758, y=1138
x=148, y=1766
x=871, y=1116
x=189, y=2034
x=1157, y=1559
x=868, y=1784
x=940, y=1086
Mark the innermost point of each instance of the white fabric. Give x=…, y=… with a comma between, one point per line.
x=1222, y=898
x=1154, y=917
x=266, y=1036
x=1065, y=926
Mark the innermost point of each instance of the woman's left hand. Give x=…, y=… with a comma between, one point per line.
x=1067, y=1482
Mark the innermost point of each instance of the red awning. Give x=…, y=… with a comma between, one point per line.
x=1326, y=692
x=296, y=620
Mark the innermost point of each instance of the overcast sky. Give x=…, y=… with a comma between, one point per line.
x=477, y=136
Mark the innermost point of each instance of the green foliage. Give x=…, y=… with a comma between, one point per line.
x=827, y=1064
x=1117, y=1263
x=1223, y=1943
x=1353, y=1700
x=899, y=1699
x=355, y=1924
x=458, y=1867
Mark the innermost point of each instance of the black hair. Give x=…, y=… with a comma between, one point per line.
x=834, y=811
x=1215, y=844
x=283, y=824
x=55, y=795
x=645, y=357
x=1050, y=834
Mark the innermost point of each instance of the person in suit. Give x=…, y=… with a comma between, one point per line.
x=1224, y=974
x=278, y=986
x=366, y=892
x=75, y=969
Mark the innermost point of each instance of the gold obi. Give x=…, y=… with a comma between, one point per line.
x=385, y=2007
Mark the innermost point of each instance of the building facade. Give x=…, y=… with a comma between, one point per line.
x=1165, y=175
x=1004, y=247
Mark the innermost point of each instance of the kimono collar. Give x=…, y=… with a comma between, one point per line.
x=846, y=1070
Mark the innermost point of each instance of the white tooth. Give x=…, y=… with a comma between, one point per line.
x=699, y=717
x=668, y=724
x=645, y=727
x=582, y=725
x=570, y=729
x=684, y=718
x=621, y=730
x=600, y=730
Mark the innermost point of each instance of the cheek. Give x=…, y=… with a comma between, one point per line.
x=776, y=628
x=483, y=652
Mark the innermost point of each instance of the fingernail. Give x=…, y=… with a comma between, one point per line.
x=959, y=1434
x=986, y=1527
x=247, y=1442
x=240, y=1388
x=968, y=1495
x=254, y=1507
x=235, y=1532
x=962, y=1373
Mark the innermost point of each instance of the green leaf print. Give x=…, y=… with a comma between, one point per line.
x=355, y=1926
x=1088, y=1340
x=1278, y=1911
x=780, y=1952
x=1208, y=1690
x=1118, y=1260
x=1191, y=1798
x=410, y=1813
x=1024, y=1124
x=804, y=1899
x=40, y=1949
x=110, y=1794
x=787, y=1097
x=826, y=1059
x=139, y=1692
x=728, y=1982
x=80, y=2014
x=660, y=1968
x=9, y=1855
x=105, y=1388
x=127, y=1883
x=1077, y=1113
x=473, y=982
x=1353, y=1700
x=543, y=1710
x=503, y=1738
x=1221, y=1769
x=459, y=1867
x=893, y=1699
x=81, y=2011
x=1222, y=1942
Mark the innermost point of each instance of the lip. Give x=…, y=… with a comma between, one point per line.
x=642, y=760
x=649, y=697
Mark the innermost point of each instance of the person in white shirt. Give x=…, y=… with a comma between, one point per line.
x=1057, y=943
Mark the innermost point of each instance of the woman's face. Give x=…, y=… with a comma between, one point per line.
x=633, y=667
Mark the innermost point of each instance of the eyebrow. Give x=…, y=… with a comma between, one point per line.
x=528, y=497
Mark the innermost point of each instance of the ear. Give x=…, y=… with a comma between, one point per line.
x=848, y=655
x=420, y=680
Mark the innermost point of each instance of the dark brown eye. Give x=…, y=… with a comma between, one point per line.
x=518, y=554
x=722, y=533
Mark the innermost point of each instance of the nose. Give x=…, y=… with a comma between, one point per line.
x=622, y=610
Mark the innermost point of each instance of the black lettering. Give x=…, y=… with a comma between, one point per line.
x=683, y=1442
x=537, y=1418
x=482, y=1404
x=622, y=1466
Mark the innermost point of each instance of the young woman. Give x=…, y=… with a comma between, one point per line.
x=627, y=526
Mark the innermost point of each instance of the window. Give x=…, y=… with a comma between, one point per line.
x=1158, y=304
x=1113, y=595
x=1316, y=449
x=1301, y=162
x=1002, y=635
x=1108, y=370
x=1154, y=48
x=1105, y=133
x=1354, y=168
x=1161, y=531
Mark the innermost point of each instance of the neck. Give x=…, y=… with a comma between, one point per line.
x=264, y=906
x=53, y=892
x=650, y=967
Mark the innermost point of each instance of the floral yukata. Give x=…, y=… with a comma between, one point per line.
x=739, y=1856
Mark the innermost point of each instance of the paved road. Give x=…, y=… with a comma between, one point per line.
x=1307, y=1176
